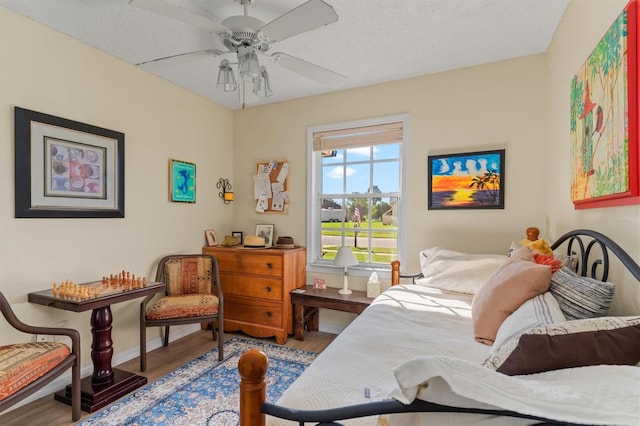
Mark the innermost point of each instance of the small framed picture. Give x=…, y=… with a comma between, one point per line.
x=182, y=181
x=266, y=232
x=212, y=239
x=239, y=235
x=319, y=283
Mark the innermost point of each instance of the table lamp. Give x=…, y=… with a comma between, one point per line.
x=345, y=258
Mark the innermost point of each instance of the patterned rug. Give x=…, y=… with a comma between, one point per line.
x=204, y=391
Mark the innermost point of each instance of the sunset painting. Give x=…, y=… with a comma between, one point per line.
x=473, y=180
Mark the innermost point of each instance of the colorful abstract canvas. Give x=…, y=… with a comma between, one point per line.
x=604, y=152
x=473, y=180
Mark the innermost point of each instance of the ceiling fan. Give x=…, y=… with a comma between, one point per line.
x=246, y=37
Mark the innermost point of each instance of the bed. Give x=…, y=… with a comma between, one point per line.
x=415, y=356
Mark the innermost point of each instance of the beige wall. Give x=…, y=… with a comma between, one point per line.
x=48, y=72
x=583, y=25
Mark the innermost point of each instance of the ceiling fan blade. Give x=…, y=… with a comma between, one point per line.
x=308, y=16
x=201, y=19
x=307, y=69
x=182, y=58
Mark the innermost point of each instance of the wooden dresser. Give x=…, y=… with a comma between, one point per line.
x=257, y=284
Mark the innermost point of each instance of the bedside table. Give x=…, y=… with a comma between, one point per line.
x=308, y=300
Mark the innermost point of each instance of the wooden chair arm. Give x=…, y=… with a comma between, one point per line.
x=13, y=320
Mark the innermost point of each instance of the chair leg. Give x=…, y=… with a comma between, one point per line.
x=143, y=347
x=213, y=330
x=75, y=392
x=220, y=348
x=166, y=335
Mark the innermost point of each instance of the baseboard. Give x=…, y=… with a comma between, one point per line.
x=119, y=358
x=331, y=328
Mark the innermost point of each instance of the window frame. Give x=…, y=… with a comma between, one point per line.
x=314, y=197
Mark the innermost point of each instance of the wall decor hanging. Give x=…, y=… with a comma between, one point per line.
x=604, y=119
x=271, y=186
x=472, y=180
x=66, y=169
x=182, y=181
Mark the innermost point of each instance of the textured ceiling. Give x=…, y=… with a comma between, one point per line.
x=373, y=41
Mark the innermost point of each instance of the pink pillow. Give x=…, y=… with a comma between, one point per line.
x=519, y=279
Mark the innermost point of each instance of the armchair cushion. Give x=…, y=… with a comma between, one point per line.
x=183, y=306
x=23, y=363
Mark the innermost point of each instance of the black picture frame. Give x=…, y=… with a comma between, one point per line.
x=239, y=235
x=55, y=177
x=468, y=180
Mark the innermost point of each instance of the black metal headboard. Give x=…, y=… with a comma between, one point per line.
x=581, y=242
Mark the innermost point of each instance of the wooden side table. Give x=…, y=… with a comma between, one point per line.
x=307, y=302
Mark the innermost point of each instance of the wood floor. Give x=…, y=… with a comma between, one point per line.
x=49, y=412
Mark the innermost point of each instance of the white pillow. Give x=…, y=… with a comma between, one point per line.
x=542, y=309
x=454, y=271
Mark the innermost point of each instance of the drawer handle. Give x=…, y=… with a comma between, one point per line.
x=269, y=266
x=269, y=314
x=268, y=289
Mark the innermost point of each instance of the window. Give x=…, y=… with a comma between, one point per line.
x=355, y=191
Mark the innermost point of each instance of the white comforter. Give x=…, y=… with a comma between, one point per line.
x=420, y=333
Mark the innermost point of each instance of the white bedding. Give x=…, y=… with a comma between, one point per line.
x=603, y=394
x=406, y=322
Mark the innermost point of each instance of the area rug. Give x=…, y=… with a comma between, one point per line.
x=204, y=391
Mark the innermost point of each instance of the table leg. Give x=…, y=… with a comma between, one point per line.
x=299, y=321
x=313, y=319
x=101, y=347
x=106, y=384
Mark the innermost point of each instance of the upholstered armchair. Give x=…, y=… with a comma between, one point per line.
x=26, y=367
x=193, y=295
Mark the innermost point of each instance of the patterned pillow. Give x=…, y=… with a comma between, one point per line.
x=581, y=297
x=580, y=343
x=542, y=309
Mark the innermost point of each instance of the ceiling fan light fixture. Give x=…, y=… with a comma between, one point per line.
x=262, y=86
x=248, y=65
x=226, y=79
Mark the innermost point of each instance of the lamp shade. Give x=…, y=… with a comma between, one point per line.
x=345, y=257
x=262, y=86
x=226, y=79
x=248, y=65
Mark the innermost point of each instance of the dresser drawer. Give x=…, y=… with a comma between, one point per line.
x=251, y=286
x=253, y=311
x=259, y=264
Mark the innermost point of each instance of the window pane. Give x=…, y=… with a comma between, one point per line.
x=386, y=176
x=333, y=179
x=359, y=154
x=384, y=152
x=357, y=177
